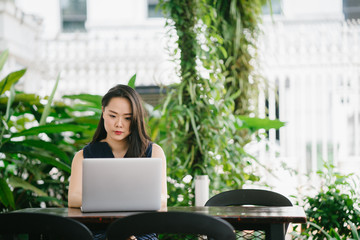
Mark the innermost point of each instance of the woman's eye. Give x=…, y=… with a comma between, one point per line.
x=128, y=118
x=112, y=116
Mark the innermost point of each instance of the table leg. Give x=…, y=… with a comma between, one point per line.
x=277, y=232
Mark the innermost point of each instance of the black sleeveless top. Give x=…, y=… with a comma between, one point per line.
x=103, y=150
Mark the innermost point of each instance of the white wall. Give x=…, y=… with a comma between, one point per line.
x=102, y=14
x=110, y=13
x=106, y=14
x=48, y=10
x=312, y=8
x=17, y=32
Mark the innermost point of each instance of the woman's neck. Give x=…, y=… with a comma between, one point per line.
x=119, y=148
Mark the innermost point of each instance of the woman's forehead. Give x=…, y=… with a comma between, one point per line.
x=119, y=104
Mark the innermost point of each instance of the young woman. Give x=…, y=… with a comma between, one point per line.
x=120, y=133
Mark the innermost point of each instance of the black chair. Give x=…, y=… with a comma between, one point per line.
x=255, y=197
x=171, y=225
x=241, y=197
x=41, y=226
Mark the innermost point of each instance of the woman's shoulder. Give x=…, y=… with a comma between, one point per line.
x=78, y=157
x=157, y=151
x=79, y=153
x=156, y=146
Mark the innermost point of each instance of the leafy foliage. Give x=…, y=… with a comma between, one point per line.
x=232, y=32
x=334, y=212
x=37, y=143
x=196, y=125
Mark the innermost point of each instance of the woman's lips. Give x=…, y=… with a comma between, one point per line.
x=118, y=132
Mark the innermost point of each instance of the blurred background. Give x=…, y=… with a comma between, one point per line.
x=309, y=53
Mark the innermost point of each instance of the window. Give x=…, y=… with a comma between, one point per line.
x=153, y=12
x=351, y=9
x=73, y=14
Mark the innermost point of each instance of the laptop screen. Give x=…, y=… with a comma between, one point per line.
x=121, y=184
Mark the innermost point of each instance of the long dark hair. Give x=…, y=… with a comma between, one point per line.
x=138, y=139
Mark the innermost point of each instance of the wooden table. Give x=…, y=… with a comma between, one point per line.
x=270, y=219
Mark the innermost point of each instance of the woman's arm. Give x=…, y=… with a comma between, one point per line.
x=157, y=152
x=75, y=186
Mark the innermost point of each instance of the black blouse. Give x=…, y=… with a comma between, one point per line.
x=103, y=150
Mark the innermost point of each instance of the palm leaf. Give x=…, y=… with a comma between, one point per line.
x=193, y=124
x=10, y=79
x=260, y=123
x=46, y=112
x=132, y=80
x=354, y=230
x=3, y=57
x=6, y=196
x=47, y=146
x=95, y=100
x=50, y=128
x=48, y=160
x=17, y=182
x=9, y=103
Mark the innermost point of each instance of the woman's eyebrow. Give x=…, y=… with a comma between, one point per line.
x=112, y=111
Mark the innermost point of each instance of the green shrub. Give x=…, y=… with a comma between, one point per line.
x=334, y=212
x=38, y=139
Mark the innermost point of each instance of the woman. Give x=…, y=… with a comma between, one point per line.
x=120, y=133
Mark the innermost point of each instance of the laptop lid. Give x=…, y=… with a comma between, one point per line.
x=121, y=184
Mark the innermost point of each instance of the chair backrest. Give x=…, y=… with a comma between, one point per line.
x=41, y=224
x=170, y=223
x=257, y=197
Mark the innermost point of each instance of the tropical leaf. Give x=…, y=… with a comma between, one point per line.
x=9, y=103
x=10, y=79
x=47, y=146
x=30, y=153
x=86, y=108
x=6, y=196
x=193, y=124
x=90, y=120
x=22, y=97
x=260, y=123
x=47, y=108
x=354, y=230
x=95, y=100
x=17, y=182
x=50, y=128
x=320, y=229
x=3, y=57
x=132, y=80
x=48, y=160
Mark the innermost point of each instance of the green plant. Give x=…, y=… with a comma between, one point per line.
x=334, y=212
x=232, y=32
x=196, y=124
x=37, y=143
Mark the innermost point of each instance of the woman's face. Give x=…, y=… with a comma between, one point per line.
x=117, y=118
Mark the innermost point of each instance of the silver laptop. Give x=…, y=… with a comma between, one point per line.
x=121, y=184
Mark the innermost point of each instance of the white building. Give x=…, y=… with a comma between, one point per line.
x=310, y=54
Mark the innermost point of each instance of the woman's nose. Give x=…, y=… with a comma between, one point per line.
x=119, y=122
